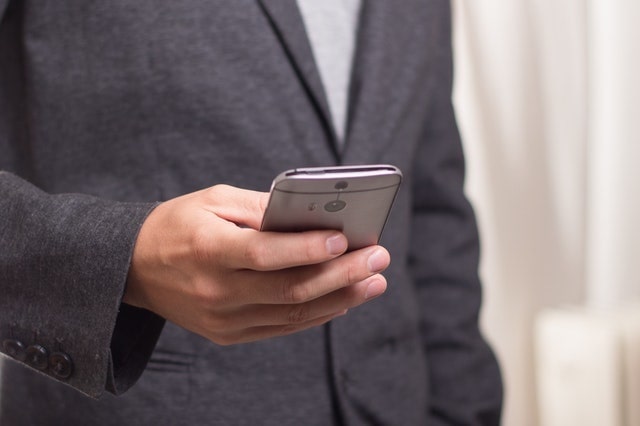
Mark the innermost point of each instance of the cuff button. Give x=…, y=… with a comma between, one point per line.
x=14, y=348
x=37, y=357
x=61, y=365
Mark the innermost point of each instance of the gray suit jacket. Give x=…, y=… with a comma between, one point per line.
x=107, y=107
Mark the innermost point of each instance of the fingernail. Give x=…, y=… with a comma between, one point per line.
x=336, y=244
x=378, y=261
x=376, y=288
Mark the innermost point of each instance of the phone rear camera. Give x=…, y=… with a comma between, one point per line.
x=335, y=206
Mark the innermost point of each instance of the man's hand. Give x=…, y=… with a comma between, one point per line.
x=201, y=263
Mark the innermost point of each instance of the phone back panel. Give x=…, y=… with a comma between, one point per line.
x=356, y=205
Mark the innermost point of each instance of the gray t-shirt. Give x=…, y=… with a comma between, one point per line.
x=331, y=27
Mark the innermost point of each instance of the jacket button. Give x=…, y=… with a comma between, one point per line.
x=61, y=365
x=14, y=348
x=37, y=357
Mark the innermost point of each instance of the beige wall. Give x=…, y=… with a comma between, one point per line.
x=546, y=92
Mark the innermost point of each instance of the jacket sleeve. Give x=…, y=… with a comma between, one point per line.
x=464, y=377
x=64, y=261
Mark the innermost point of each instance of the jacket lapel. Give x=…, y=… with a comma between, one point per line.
x=382, y=77
x=288, y=25
x=384, y=72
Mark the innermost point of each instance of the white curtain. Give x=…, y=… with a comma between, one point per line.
x=548, y=100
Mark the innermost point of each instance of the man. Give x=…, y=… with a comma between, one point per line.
x=183, y=311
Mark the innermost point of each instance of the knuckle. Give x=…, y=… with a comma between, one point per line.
x=256, y=256
x=211, y=299
x=298, y=314
x=216, y=191
x=220, y=331
x=201, y=246
x=217, y=324
x=351, y=274
x=310, y=249
x=294, y=293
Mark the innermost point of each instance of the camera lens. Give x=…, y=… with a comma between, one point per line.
x=335, y=206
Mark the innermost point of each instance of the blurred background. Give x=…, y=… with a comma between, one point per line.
x=548, y=101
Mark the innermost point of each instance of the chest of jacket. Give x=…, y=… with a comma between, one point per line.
x=174, y=96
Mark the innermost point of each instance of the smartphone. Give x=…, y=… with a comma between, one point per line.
x=355, y=200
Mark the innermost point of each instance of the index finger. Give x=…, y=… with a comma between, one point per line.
x=237, y=205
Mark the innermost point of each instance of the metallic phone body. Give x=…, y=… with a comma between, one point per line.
x=355, y=200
